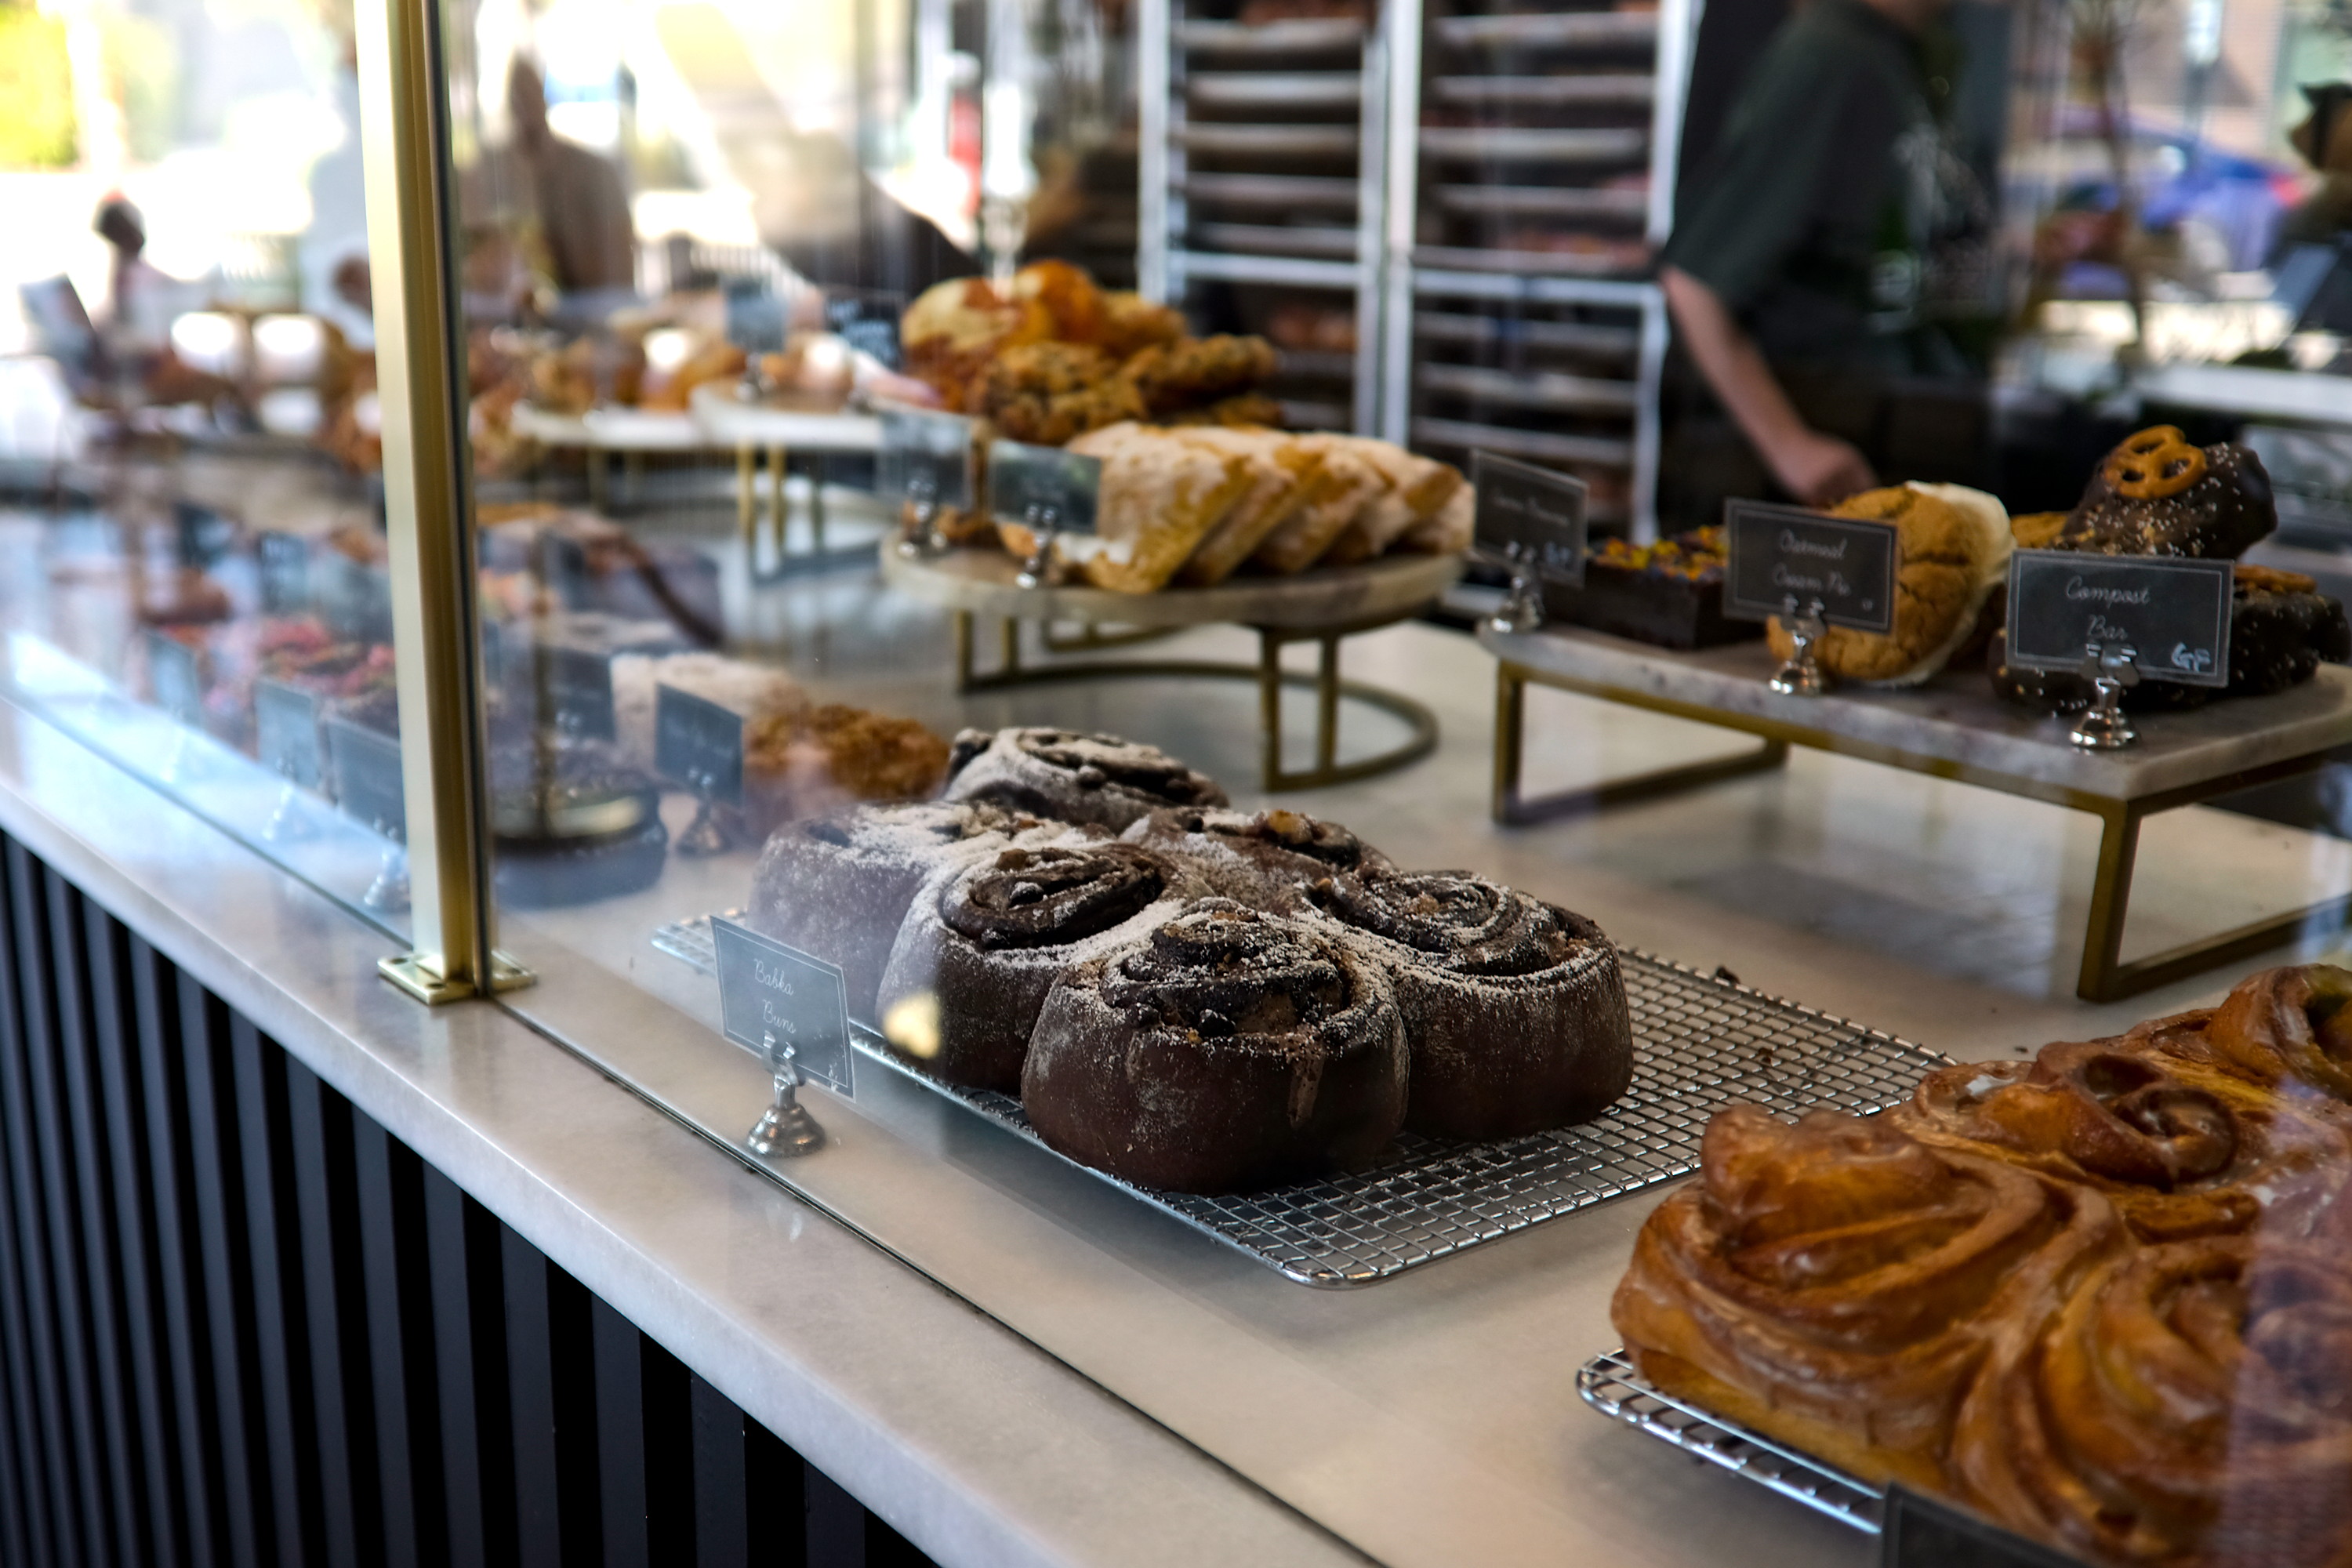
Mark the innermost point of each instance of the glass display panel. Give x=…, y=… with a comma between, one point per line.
x=190, y=495
x=1223, y=830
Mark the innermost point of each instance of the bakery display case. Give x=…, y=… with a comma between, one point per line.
x=797, y=605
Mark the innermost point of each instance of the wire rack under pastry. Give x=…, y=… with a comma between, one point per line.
x=1700, y=1043
x=1611, y=1385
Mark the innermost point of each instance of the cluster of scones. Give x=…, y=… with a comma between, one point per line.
x=1186, y=996
x=2104, y=1296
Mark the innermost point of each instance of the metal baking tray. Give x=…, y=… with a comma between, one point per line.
x=1546, y=91
x=1538, y=446
x=1287, y=191
x=1527, y=263
x=1524, y=145
x=1609, y=1384
x=1306, y=36
x=1276, y=239
x=1566, y=337
x=1275, y=90
x=1319, y=364
x=1530, y=389
x=1553, y=30
x=1700, y=1042
x=1544, y=201
x=1271, y=141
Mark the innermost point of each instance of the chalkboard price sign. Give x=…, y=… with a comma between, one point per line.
x=284, y=572
x=286, y=726
x=1059, y=486
x=1781, y=553
x=1529, y=517
x=699, y=744
x=580, y=691
x=173, y=675
x=367, y=777
x=1922, y=1532
x=768, y=992
x=926, y=457
x=2173, y=612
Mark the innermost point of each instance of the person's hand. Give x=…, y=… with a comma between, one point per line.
x=1818, y=469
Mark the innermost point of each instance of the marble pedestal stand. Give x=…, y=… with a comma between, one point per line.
x=1952, y=728
x=1321, y=607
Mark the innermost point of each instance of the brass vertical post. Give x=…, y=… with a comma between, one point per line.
x=420, y=380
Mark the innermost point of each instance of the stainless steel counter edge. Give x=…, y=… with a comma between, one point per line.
x=968, y=1440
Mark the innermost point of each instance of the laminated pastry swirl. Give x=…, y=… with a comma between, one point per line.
x=2182, y=1149
x=985, y=942
x=1227, y=1049
x=2155, y=1372
x=2190, y=1403
x=1514, y=1010
x=1836, y=1283
x=1067, y=775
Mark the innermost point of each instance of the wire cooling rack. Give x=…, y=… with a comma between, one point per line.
x=1700, y=1043
x=1609, y=1384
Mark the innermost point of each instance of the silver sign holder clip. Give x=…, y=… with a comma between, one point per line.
x=785, y=1129
x=287, y=823
x=1043, y=521
x=1522, y=611
x=1802, y=675
x=923, y=533
x=706, y=835
x=389, y=892
x=2113, y=671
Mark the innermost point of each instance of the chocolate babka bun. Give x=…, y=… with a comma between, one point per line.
x=1227, y=1050
x=1514, y=1010
x=1265, y=858
x=839, y=886
x=985, y=942
x=1070, y=776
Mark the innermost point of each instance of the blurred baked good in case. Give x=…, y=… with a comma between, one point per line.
x=1952, y=551
x=1068, y=775
x=2157, y=494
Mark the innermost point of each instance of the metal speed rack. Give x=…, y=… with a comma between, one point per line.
x=1483, y=189
x=1700, y=1043
x=1612, y=1385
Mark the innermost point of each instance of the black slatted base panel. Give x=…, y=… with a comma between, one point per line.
x=242, y=1324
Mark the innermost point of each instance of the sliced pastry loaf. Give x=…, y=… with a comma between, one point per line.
x=1283, y=475
x=1447, y=531
x=1350, y=484
x=1417, y=488
x=1161, y=494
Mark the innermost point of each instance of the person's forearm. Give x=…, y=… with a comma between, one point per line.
x=1818, y=469
x=1731, y=362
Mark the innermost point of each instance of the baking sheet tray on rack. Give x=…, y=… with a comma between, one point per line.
x=1611, y=1385
x=1700, y=1043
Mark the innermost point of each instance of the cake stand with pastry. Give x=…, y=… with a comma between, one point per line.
x=1938, y=694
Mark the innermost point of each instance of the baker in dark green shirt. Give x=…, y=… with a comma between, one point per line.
x=1797, y=272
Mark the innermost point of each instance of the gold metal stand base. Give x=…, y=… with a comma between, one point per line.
x=409, y=971
x=2105, y=976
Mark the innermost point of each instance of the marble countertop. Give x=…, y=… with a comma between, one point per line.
x=967, y=1438
x=1955, y=717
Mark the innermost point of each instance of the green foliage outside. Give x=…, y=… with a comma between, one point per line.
x=37, y=119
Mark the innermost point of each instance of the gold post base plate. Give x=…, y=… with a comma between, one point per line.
x=410, y=973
